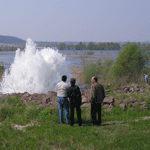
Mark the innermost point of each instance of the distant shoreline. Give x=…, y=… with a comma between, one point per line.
x=68, y=50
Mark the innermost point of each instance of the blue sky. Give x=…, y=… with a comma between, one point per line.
x=76, y=20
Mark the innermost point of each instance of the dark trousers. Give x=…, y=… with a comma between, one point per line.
x=78, y=111
x=96, y=113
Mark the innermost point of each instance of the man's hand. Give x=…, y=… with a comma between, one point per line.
x=90, y=100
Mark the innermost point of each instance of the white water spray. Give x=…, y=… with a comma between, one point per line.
x=34, y=71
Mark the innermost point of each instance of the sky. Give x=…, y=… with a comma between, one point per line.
x=76, y=20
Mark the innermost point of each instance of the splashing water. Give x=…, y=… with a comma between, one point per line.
x=34, y=71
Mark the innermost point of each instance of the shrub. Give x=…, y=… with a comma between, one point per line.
x=89, y=71
x=100, y=69
x=129, y=64
x=1, y=70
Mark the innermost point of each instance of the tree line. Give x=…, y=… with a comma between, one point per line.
x=81, y=45
x=90, y=46
x=9, y=47
x=77, y=46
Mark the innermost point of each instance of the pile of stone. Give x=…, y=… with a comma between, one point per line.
x=48, y=99
x=133, y=89
x=3, y=96
x=133, y=103
x=108, y=103
x=86, y=95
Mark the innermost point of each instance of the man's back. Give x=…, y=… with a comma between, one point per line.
x=74, y=94
x=98, y=93
x=61, y=89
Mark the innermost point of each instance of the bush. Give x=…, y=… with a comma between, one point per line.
x=129, y=64
x=100, y=69
x=1, y=70
x=89, y=71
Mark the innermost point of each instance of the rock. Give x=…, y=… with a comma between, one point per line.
x=3, y=96
x=26, y=97
x=143, y=105
x=108, y=108
x=23, y=127
x=86, y=96
x=109, y=101
x=85, y=100
x=141, y=90
x=126, y=89
x=40, y=99
x=123, y=105
x=133, y=103
x=137, y=88
x=132, y=89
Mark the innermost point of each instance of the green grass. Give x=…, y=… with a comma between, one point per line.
x=119, y=129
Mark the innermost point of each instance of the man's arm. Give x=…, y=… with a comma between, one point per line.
x=79, y=95
x=79, y=92
x=68, y=92
x=56, y=88
x=93, y=93
x=103, y=91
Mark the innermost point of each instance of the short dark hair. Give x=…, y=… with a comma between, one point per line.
x=95, y=78
x=72, y=81
x=64, y=78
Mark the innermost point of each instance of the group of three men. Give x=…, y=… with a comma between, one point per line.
x=69, y=99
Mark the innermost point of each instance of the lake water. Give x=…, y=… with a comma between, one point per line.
x=73, y=57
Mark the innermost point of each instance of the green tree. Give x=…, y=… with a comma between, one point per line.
x=62, y=46
x=129, y=64
x=80, y=46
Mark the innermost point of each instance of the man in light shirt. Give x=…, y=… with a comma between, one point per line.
x=63, y=103
x=146, y=78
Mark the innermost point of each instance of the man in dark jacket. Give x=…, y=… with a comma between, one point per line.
x=74, y=96
x=97, y=96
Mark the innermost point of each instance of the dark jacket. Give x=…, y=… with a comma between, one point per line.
x=74, y=95
x=97, y=93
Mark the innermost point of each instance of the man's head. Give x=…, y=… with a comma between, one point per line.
x=72, y=81
x=64, y=78
x=94, y=79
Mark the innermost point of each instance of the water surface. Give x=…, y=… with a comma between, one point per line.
x=73, y=57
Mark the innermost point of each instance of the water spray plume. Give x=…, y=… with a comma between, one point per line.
x=33, y=70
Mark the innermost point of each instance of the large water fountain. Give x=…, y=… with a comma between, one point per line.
x=33, y=70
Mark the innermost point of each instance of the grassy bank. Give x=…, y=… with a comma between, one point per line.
x=32, y=127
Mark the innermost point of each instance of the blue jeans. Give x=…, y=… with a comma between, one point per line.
x=63, y=106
